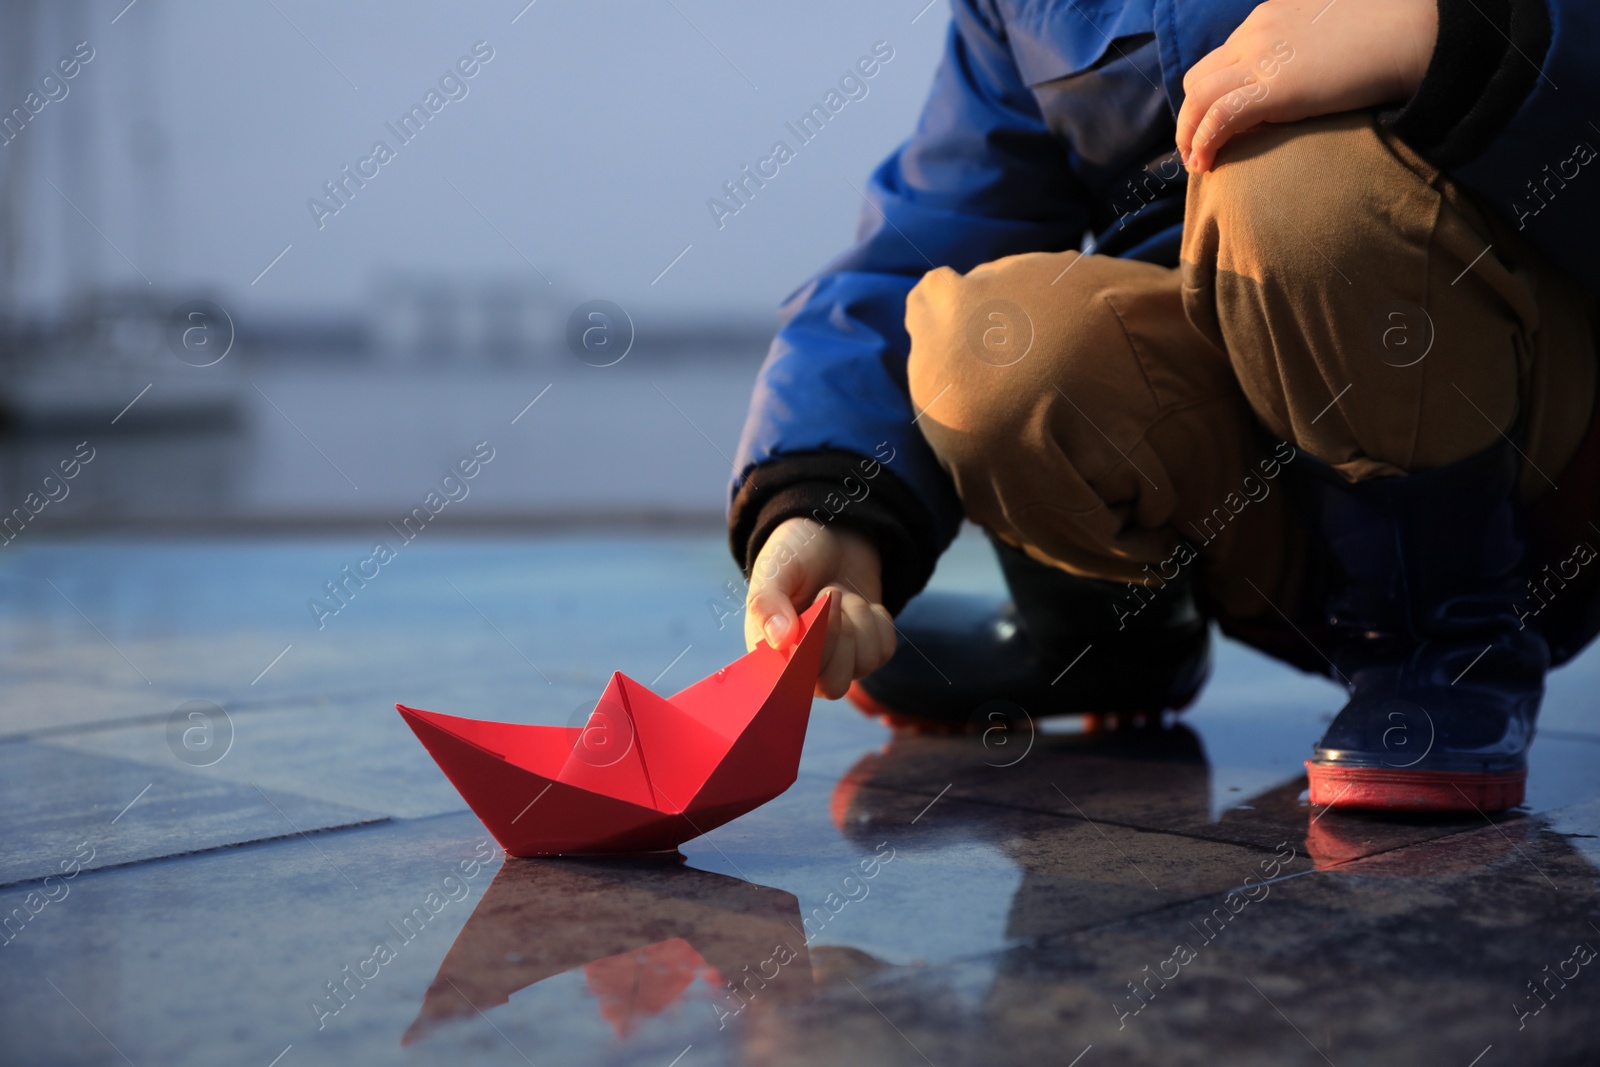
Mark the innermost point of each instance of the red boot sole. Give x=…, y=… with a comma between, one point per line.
x=1393, y=789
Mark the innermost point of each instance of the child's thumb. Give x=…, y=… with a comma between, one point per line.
x=771, y=618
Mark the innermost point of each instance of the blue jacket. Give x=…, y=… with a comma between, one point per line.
x=1043, y=118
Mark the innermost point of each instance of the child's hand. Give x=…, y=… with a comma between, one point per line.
x=1297, y=59
x=799, y=560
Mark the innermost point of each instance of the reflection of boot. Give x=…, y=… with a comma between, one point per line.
x=1107, y=774
x=1444, y=681
x=1140, y=653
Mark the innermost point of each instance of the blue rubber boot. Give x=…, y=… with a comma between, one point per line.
x=1445, y=680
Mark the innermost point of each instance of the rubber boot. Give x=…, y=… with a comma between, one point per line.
x=1444, y=679
x=1060, y=645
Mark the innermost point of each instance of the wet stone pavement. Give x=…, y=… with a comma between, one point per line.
x=222, y=845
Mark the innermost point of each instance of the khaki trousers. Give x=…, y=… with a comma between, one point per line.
x=1336, y=290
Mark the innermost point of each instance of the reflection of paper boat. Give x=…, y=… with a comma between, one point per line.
x=647, y=934
x=643, y=774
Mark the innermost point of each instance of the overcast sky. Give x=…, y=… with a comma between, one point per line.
x=591, y=142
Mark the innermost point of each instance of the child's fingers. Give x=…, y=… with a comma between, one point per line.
x=863, y=629
x=770, y=617
x=1208, y=64
x=1237, y=104
x=838, y=664
x=781, y=581
x=887, y=635
x=1204, y=116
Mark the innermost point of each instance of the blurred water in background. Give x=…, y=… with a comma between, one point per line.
x=215, y=322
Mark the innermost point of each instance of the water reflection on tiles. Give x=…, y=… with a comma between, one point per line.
x=977, y=899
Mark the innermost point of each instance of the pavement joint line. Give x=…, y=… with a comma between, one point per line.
x=302, y=833
x=269, y=840
x=1104, y=838
x=262, y=705
x=1508, y=840
x=1188, y=835
x=1041, y=941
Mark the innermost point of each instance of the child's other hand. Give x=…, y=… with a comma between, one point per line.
x=802, y=558
x=1297, y=59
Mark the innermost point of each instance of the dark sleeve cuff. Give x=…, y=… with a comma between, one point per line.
x=838, y=487
x=1485, y=62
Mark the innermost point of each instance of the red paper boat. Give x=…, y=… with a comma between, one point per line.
x=643, y=774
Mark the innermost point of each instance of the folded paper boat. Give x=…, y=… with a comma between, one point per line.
x=643, y=774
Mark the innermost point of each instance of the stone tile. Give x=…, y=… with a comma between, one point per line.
x=353, y=753
x=1421, y=955
x=219, y=957
x=956, y=866
x=165, y=622
x=1161, y=780
x=73, y=809
x=356, y=750
x=1023, y=893
x=572, y=961
x=990, y=936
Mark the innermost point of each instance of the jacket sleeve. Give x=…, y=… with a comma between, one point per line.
x=981, y=177
x=1508, y=108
